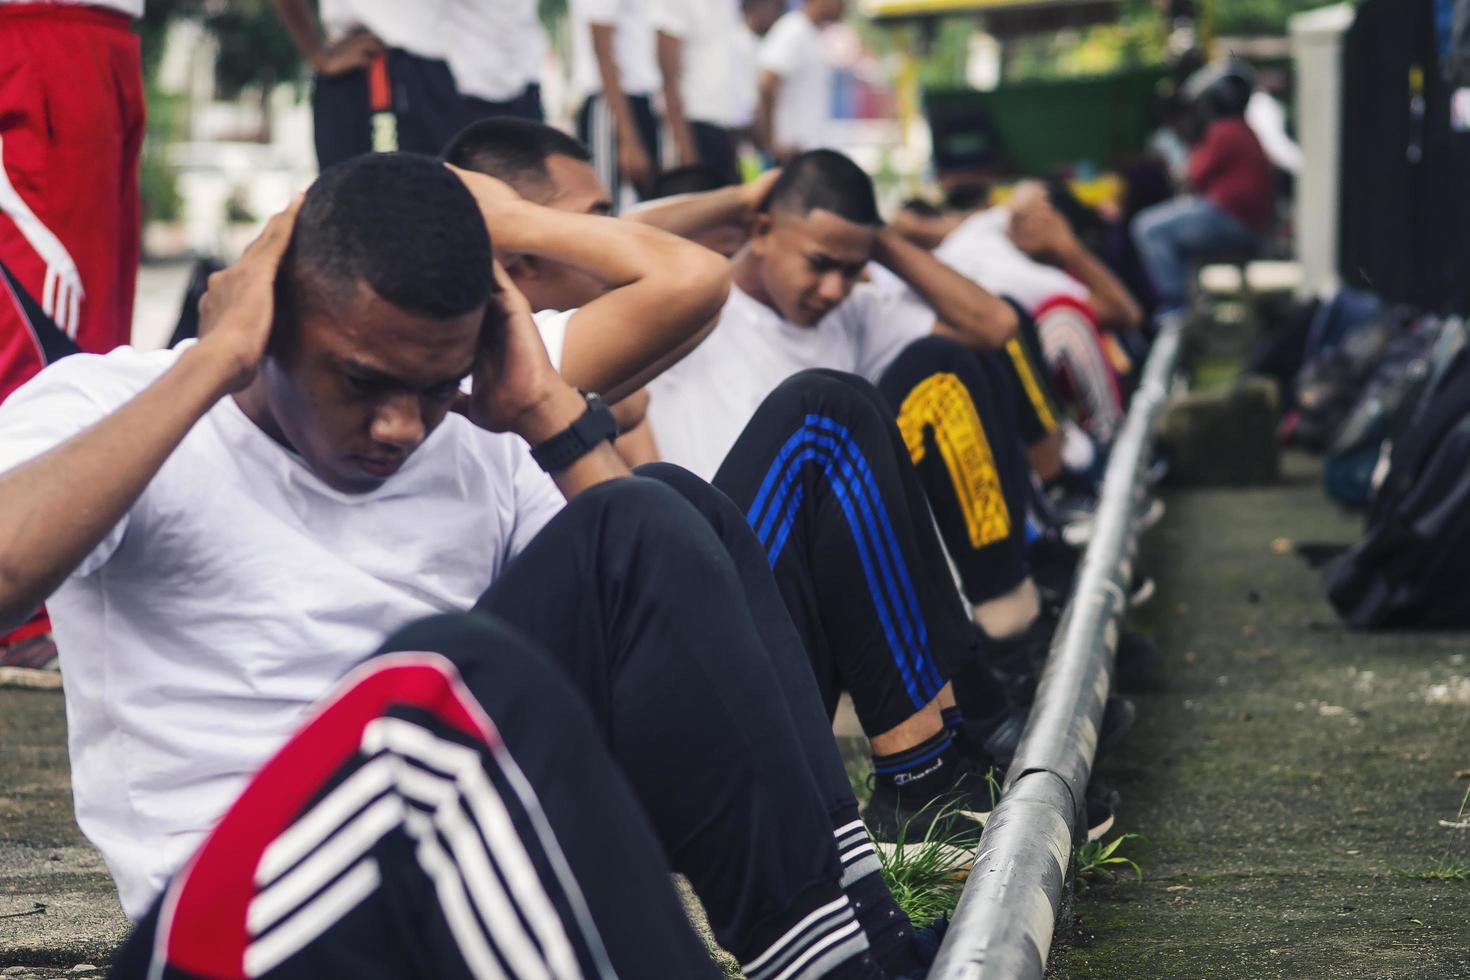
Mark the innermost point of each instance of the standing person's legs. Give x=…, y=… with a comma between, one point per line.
x=70, y=82
x=716, y=146
x=451, y=810
x=419, y=93
x=426, y=102
x=632, y=593
x=599, y=133
x=1168, y=234
x=341, y=115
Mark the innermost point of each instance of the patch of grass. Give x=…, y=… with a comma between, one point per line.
x=926, y=875
x=1097, y=859
x=1447, y=868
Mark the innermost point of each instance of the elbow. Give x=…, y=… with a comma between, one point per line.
x=995, y=323
x=708, y=278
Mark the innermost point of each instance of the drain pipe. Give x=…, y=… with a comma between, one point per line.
x=1003, y=926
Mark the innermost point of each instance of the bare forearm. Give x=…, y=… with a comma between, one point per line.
x=1114, y=305
x=302, y=25
x=612, y=81
x=671, y=67
x=690, y=214
x=59, y=506
x=765, y=127
x=981, y=318
x=637, y=446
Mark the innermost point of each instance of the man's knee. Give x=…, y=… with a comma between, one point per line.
x=929, y=354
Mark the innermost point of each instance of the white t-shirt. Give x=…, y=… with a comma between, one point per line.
x=496, y=47
x=718, y=81
x=236, y=592
x=416, y=27
x=981, y=250
x=133, y=8
x=633, y=46
x=700, y=406
x=793, y=50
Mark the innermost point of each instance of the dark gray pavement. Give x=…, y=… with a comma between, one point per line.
x=1286, y=770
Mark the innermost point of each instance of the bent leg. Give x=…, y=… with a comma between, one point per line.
x=451, y=810
x=954, y=410
x=821, y=476
x=633, y=595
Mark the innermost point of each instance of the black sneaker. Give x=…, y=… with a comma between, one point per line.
x=1054, y=565
x=956, y=816
x=1001, y=737
x=1136, y=663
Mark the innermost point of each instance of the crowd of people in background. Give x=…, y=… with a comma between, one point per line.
x=827, y=455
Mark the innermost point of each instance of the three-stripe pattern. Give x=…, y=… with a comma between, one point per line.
x=825, y=937
x=479, y=836
x=828, y=448
x=1071, y=343
x=855, y=848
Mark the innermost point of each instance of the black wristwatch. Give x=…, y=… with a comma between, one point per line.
x=595, y=427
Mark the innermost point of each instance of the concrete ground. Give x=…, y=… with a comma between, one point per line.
x=1287, y=773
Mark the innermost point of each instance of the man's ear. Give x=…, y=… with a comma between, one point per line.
x=760, y=233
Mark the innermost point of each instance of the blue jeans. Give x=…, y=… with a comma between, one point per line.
x=1169, y=235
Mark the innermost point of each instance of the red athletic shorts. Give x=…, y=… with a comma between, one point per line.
x=71, y=126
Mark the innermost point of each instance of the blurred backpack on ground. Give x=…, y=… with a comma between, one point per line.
x=1386, y=404
x=1341, y=357
x=1411, y=568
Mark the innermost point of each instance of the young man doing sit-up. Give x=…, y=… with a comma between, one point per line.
x=815, y=462
x=224, y=531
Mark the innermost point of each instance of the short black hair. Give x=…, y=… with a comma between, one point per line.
x=513, y=150
x=968, y=196
x=828, y=181
x=400, y=222
x=693, y=179
x=921, y=207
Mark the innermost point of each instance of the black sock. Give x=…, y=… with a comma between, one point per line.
x=954, y=720
x=922, y=772
x=888, y=928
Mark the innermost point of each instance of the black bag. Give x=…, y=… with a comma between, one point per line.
x=1412, y=568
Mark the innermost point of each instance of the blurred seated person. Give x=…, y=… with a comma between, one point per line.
x=1230, y=201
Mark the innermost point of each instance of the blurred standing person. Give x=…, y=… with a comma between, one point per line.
x=496, y=50
x=382, y=82
x=1230, y=204
x=615, y=73
x=71, y=127
x=796, y=82
x=704, y=75
x=758, y=17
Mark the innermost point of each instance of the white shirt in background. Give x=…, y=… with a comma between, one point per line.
x=718, y=81
x=745, y=75
x=1267, y=119
x=133, y=8
x=416, y=27
x=980, y=250
x=496, y=47
x=633, y=46
x=236, y=592
x=700, y=406
x=793, y=50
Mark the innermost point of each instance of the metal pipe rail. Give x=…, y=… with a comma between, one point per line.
x=1002, y=928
